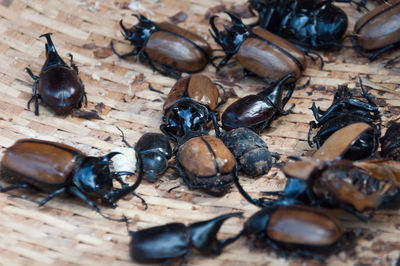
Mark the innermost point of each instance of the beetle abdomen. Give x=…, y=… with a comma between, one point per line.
x=59, y=88
x=304, y=226
x=38, y=162
x=380, y=27
x=176, y=52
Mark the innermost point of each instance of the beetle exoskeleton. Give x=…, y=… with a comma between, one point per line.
x=259, y=51
x=250, y=151
x=207, y=164
x=56, y=168
x=58, y=85
x=390, y=142
x=378, y=30
x=346, y=110
x=181, y=115
x=166, y=47
x=318, y=24
x=166, y=242
x=256, y=111
x=303, y=230
x=155, y=151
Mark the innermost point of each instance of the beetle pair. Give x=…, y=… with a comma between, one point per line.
x=167, y=48
x=56, y=168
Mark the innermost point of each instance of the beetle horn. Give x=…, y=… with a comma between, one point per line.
x=235, y=20
x=106, y=158
x=123, y=28
x=204, y=234
x=52, y=57
x=217, y=33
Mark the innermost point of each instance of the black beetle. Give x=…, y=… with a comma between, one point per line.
x=315, y=23
x=378, y=30
x=56, y=168
x=250, y=151
x=302, y=230
x=190, y=105
x=174, y=49
x=346, y=110
x=390, y=142
x=58, y=85
x=174, y=240
x=256, y=111
x=258, y=51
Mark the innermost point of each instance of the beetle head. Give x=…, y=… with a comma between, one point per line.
x=204, y=234
x=141, y=32
x=52, y=57
x=233, y=37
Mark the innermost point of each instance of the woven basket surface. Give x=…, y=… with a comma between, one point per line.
x=66, y=231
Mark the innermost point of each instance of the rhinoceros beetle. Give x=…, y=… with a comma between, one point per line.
x=167, y=48
x=164, y=243
x=346, y=110
x=190, y=105
x=58, y=85
x=256, y=111
x=205, y=163
x=260, y=52
x=314, y=23
x=390, y=142
x=378, y=31
x=250, y=151
x=327, y=180
x=56, y=168
x=301, y=230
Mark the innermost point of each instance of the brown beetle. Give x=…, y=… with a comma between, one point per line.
x=57, y=168
x=58, y=85
x=207, y=164
x=259, y=51
x=303, y=230
x=391, y=142
x=166, y=47
x=378, y=30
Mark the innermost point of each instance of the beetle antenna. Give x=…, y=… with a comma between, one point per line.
x=123, y=138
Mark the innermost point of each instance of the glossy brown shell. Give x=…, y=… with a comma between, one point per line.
x=206, y=156
x=59, y=88
x=171, y=47
x=38, y=162
x=305, y=226
x=197, y=87
x=270, y=56
x=379, y=27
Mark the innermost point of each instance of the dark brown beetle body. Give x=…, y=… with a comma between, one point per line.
x=250, y=151
x=258, y=110
x=58, y=85
x=206, y=164
x=378, y=30
x=190, y=106
x=166, y=47
x=259, y=51
x=56, y=168
x=391, y=143
x=303, y=230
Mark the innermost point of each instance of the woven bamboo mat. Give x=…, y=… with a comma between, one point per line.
x=66, y=231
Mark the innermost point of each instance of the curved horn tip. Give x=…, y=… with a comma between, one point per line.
x=46, y=34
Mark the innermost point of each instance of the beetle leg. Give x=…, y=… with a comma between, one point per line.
x=216, y=125
x=312, y=125
x=391, y=61
x=83, y=197
x=384, y=49
x=277, y=249
x=224, y=61
x=305, y=253
x=132, y=53
x=123, y=138
x=71, y=61
x=35, y=95
x=52, y=195
x=15, y=186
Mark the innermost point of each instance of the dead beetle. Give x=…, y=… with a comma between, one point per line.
x=258, y=110
x=391, y=143
x=250, y=151
x=164, y=243
x=56, y=168
x=190, y=105
x=378, y=30
x=302, y=230
x=58, y=85
x=206, y=163
x=315, y=23
x=258, y=51
x=155, y=151
x=346, y=110
x=166, y=47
